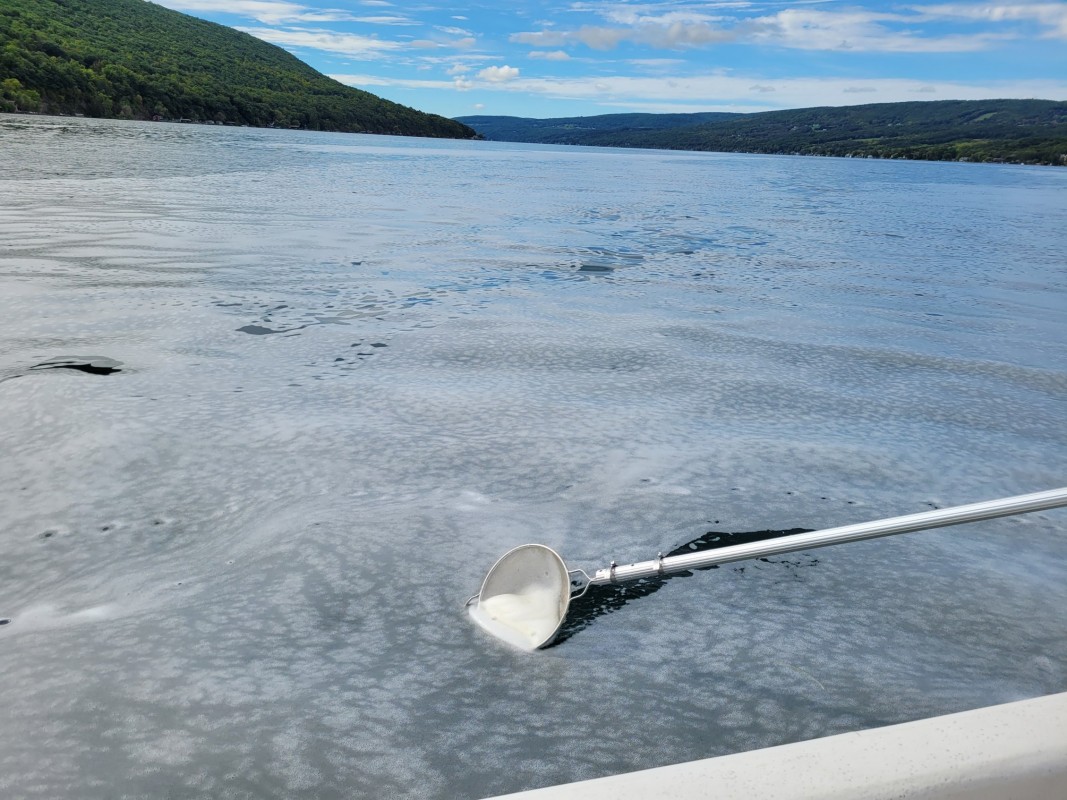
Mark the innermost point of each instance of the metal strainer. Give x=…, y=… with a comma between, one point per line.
x=525, y=597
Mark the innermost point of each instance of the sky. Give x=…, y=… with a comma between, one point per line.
x=538, y=58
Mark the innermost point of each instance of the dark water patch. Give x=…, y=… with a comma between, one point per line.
x=4, y=621
x=599, y=601
x=92, y=365
x=602, y=260
x=260, y=330
x=256, y=330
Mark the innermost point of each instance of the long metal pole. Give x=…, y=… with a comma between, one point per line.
x=938, y=518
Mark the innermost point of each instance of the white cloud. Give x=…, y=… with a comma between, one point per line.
x=347, y=44
x=549, y=55
x=642, y=15
x=548, y=38
x=270, y=12
x=499, y=74
x=861, y=31
x=1050, y=15
x=360, y=81
x=857, y=30
x=668, y=36
x=384, y=20
x=430, y=44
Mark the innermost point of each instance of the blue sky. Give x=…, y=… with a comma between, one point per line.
x=545, y=59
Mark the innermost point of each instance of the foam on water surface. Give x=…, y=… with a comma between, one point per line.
x=235, y=565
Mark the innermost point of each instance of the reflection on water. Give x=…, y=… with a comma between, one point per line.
x=597, y=601
x=346, y=372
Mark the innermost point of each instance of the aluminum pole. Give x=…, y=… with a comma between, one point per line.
x=939, y=518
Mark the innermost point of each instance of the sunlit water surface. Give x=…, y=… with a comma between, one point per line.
x=273, y=402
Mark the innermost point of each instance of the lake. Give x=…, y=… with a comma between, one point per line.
x=273, y=403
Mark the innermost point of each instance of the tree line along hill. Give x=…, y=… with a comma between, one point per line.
x=1013, y=131
x=133, y=59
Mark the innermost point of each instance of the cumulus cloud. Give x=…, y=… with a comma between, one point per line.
x=499, y=74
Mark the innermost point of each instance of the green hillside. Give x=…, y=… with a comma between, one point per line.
x=136, y=60
x=1016, y=131
x=578, y=130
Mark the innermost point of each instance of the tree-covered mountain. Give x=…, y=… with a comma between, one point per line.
x=576, y=130
x=1017, y=131
x=136, y=60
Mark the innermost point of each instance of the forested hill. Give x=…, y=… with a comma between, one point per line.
x=577, y=130
x=1017, y=131
x=136, y=60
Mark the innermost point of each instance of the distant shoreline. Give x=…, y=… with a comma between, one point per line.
x=1030, y=132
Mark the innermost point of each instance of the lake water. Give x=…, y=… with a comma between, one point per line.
x=354, y=370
